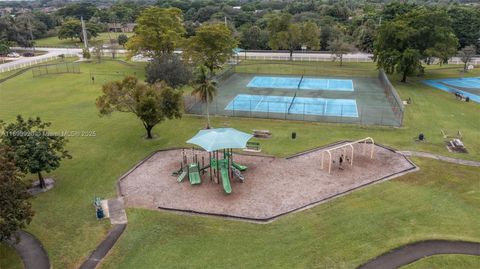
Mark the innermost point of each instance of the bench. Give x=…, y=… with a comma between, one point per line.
x=253, y=147
x=262, y=133
x=457, y=136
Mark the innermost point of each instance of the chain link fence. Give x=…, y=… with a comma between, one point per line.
x=59, y=68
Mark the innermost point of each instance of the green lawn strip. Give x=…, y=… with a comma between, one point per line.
x=307, y=68
x=54, y=41
x=342, y=233
x=9, y=258
x=445, y=262
x=65, y=221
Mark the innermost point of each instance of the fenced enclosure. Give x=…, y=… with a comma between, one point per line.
x=392, y=95
x=58, y=68
x=364, y=100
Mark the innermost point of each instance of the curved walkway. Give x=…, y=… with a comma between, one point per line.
x=118, y=218
x=439, y=157
x=416, y=251
x=31, y=251
x=105, y=246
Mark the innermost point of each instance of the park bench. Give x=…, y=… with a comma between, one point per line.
x=253, y=147
x=262, y=133
x=446, y=135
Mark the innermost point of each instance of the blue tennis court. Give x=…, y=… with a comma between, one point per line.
x=469, y=87
x=302, y=84
x=300, y=105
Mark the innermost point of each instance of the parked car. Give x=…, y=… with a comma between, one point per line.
x=13, y=55
x=28, y=54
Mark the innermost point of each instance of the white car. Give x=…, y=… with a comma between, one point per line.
x=13, y=55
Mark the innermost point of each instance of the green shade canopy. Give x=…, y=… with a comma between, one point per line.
x=220, y=138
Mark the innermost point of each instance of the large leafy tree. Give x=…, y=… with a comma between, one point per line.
x=284, y=34
x=212, y=46
x=310, y=35
x=466, y=55
x=35, y=149
x=365, y=35
x=4, y=48
x=151, y=104
x=158, y=31
x=15, y=212
x=205, y=88
x=402, y=43
x=254, y=37
x=168, y=68
x=77, y=10
x=340, y=46
x=72, y=28
x=466, y=24
x=443, y=50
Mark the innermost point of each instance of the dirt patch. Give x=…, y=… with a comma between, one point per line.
x=272, y=187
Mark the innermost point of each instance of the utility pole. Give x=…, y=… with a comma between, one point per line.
x=226, y=21
x=84, y=33
x=31, y=34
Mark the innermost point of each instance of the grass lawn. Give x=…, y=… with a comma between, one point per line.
x=446, y=261
x=9, y=258
x=54, y=41
x=340, y=234
x=347, y=231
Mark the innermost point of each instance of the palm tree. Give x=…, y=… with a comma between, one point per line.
x=205, y=88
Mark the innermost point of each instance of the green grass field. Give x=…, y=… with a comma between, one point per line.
x=9, y=258
x=446, y=261
x=54, y=41
x=339, y=234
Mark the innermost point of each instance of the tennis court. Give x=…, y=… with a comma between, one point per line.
x=353, y=100
x=294, y=105
x=469, y=87
x=301, y=83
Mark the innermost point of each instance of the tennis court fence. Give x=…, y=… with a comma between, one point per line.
x=392, y=96
x=364, y=115
x=58, y=68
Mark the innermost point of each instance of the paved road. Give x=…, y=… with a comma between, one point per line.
x=31, y=251
x=416, y=251
x=51, y=52
x=251, y=54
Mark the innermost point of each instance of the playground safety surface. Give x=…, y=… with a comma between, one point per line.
x=272, y=187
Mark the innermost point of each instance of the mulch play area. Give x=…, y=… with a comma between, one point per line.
x=272, y=187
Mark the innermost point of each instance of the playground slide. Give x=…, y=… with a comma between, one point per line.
x=182, y=176
x=226, y=180
x=239, y=166
x=193, y=174
x=238, y=174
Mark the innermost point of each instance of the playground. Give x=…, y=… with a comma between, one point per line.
x=271, y=187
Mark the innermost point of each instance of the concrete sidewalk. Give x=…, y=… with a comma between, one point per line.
x=30, y=250
x=412, y=252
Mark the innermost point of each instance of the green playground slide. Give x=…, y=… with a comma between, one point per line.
x=239, y=166
x=182, y=176
x=226, y=180
x=193, y=174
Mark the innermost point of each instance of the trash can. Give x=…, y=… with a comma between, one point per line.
x=100, y=214
x=294, y=135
